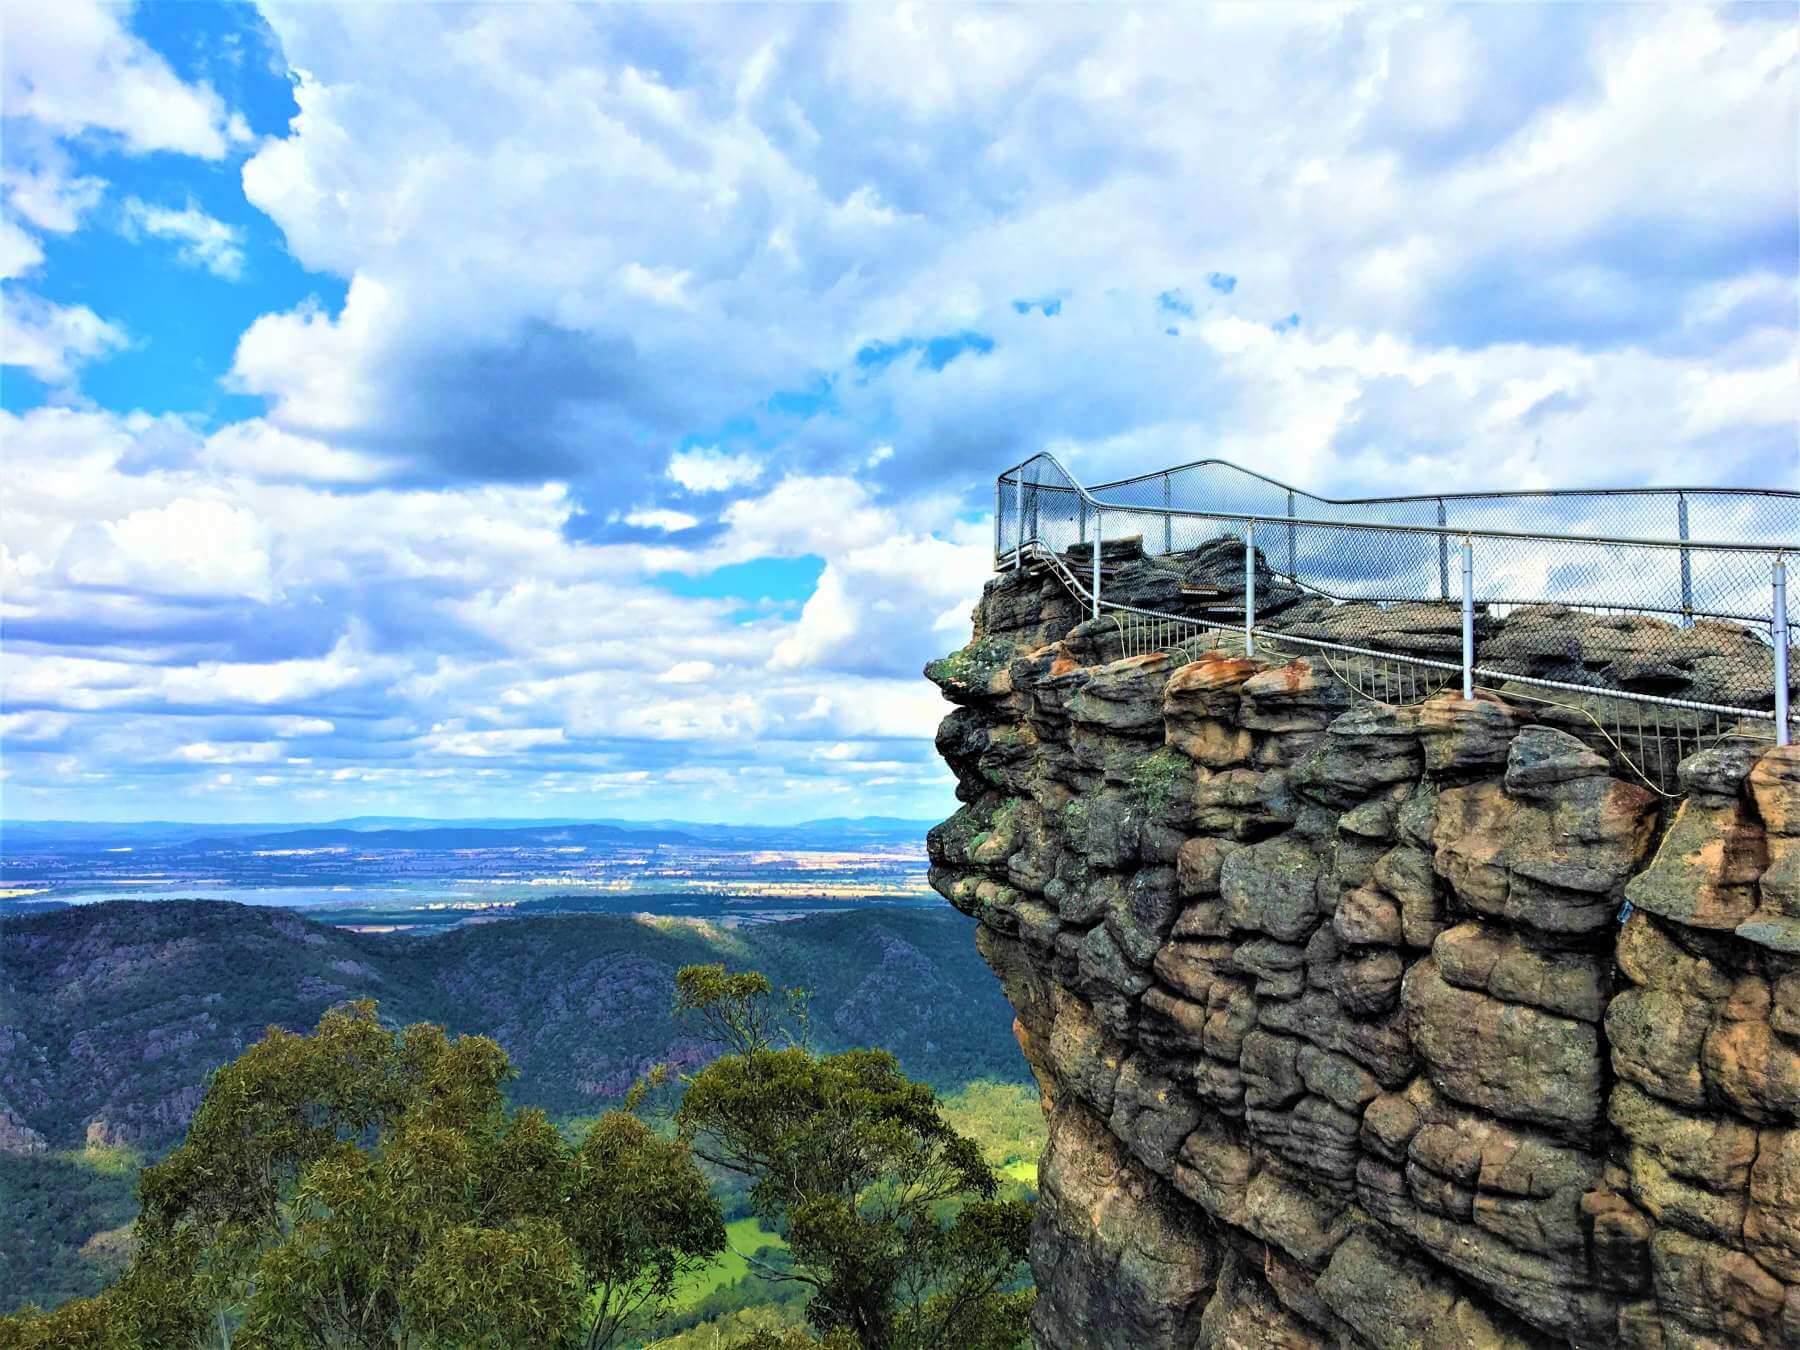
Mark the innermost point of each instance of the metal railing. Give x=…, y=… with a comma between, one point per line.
x=1716, y=600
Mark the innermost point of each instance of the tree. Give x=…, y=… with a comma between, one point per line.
x=362, y=1188
x=890, y=1215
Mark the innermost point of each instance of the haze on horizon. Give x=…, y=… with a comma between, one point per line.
x=594, y=413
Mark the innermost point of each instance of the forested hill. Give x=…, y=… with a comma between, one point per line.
x=111, y=1015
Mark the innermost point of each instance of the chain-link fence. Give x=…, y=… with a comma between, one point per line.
x=1662, y=594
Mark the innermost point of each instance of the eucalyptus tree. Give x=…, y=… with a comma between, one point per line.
x=890, y=1215
x=360, y=1187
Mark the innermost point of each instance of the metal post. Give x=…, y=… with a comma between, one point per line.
x=1443, y=555
x=1250, y=588
x=1778, y=630
x=1099, y=534
x=1468, y=602
x=1168, y=520
x=1081, y=506
x=1687, y=565
x=999, y=535
x=1019, y=525
x=1290, y=532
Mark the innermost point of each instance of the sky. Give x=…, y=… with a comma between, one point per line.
x=594, y=411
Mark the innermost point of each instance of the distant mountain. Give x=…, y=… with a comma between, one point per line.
x=434, y=837
x=113, y=1014
x=20, y=837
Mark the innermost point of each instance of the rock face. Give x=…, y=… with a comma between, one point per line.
x=1341, y=1036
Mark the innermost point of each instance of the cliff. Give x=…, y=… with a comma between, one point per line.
x=1339, y=1033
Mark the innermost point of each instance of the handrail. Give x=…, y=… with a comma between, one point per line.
x=1593, y=572
x=1490, y=494
x=1453, y=531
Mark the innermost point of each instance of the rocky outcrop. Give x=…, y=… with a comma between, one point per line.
x=1707, y=660
x=1370, y=1025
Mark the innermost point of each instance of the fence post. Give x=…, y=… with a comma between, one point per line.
x=1081, y=518
x=1468, y=617
x=1019, y=524
x=1250, y=588
x=1443, y=555
x=1290, y=534
x=1687, y=564
x=1778, y=630
x=1168, y=520
x=1099, y=533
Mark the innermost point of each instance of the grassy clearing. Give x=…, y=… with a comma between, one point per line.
x=1007, y=1121
x=743, y=1238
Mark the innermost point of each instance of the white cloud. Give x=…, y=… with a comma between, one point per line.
x=53, y=341
x=664, y=285
x=200, y=240
x=856, y=260
x=708, y=469
x=42, y=189
x=189, y=547
x=689, y=672
x=73, y=67
x=19, y=252
x=666, y=521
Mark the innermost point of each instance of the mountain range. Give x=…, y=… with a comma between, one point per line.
x=19, y=837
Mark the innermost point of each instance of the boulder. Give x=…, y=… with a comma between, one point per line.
x=1705, y=871
x=1557, y=864
x=1152, y=1113
x=1492, y=961
x=1518, y=1062
x=1775, y=786
x=1140, y=916
x=1197, y=865
x=1272, y=887
x=1655, y=1036
x=1398, y=1302
x=1465, y=737
x=1214, y=1169
x=1541, y=759
x=1200, y=704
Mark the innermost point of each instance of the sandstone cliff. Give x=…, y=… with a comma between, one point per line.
x=1339, y=1034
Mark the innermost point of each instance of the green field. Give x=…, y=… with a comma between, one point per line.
x=743, y=1237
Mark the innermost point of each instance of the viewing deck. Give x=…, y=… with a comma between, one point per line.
x=1667, y=605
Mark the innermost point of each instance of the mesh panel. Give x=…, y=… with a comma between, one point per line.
x=1704, y=622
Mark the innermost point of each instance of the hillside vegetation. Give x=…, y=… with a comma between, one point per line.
x=112, y=1017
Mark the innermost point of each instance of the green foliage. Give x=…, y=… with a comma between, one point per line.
x=55, y=1205
x=739, y=1011
x=594, y=991
x=1006, y=1121
x=1160, y=777
x=890, y=1215
x=362, y=1188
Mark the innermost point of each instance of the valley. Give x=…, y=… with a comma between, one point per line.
x=113, y=1013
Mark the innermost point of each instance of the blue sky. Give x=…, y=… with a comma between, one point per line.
x=596, y=410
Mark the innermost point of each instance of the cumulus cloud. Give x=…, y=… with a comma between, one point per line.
x=169, y=622
x=73, y=67
x=654, y=317
x=200, y=241
x=707, y=469
x=53, y=341
x=657, y=519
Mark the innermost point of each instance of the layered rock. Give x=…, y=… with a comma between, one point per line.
x=1340, y=1035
